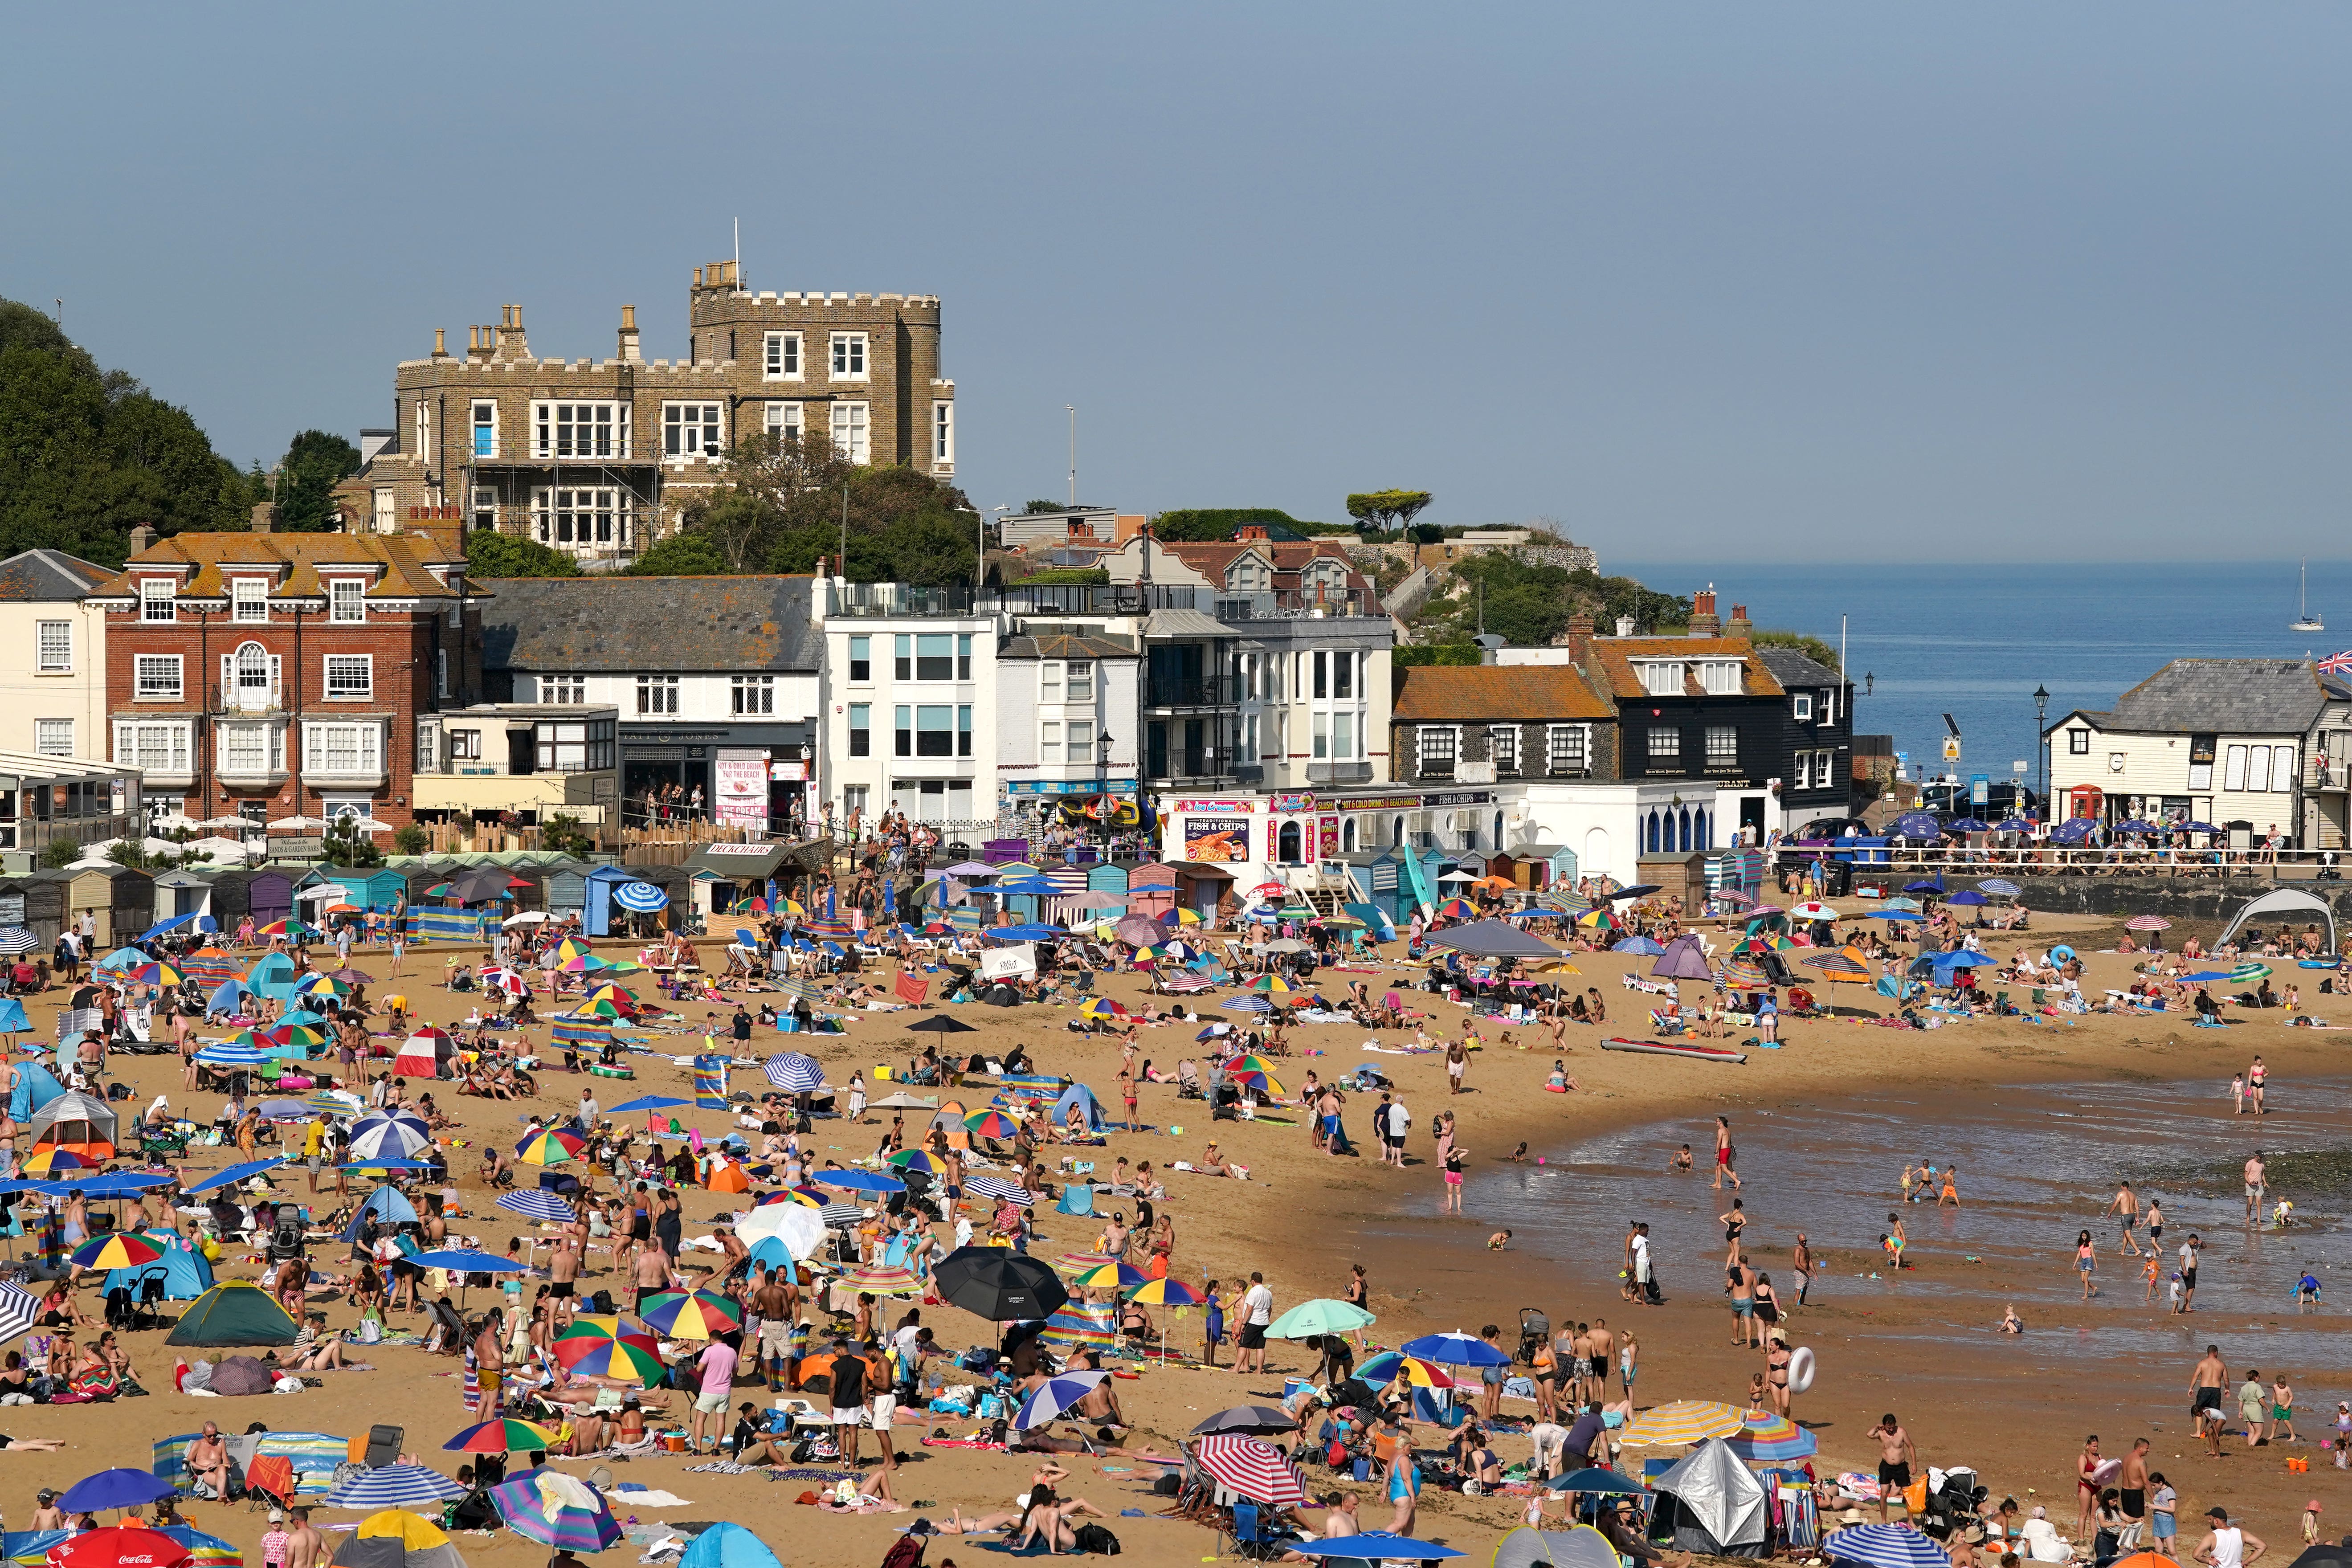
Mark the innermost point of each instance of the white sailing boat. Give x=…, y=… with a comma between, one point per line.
x=2304, y=621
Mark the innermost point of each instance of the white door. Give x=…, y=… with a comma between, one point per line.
x=1595, y=861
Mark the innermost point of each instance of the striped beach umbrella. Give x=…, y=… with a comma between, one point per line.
x=698, y=1316
x=922, y=1159
x=1270, y=985
x=556, y=1509
x=1102, y=1007
x=534, y=1204
x=1841, y=965
x=794, y=1072
x=1684, y=1421
x=1883, y=1546
x=17, y=939
x=232, y=1054
x=157, y=974
x=999, y=1188
x=1741, y=974
x=546, y=1148
x=879, y=1281
x=1252, y=1469
x=1458, y=910
x=508, y=1435
x=1111, y=1276
x=2148, y=922
x=399, y=1485
x=1418, y=1373
x=1054, y=1397
x=321, y=985
x=1245, y=1005
x=204, y=1551
x=333, y=1102
x=1165, y=1292
x=591, y=1351
x=119, y=1249
x=2248, y=973
x=286, y=928
x=389, y=1135
x=51, y=1160
x=1768, y=1437
x=640, y=897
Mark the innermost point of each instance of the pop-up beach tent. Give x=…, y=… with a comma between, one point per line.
x=2283, y=904
x=233, y=1312
x=1718, y=1507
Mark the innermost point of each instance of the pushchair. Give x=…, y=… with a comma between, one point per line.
x=1535, y=1332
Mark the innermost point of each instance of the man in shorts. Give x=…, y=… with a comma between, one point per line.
x=849, y=1376
x=1490, y=1378
x=2205, y=1385
x=1257, y=1315
x=2188, y=1251
x=775, y=1340
x=2256, y=1178
x=1896, y=1454
x=718, y=1363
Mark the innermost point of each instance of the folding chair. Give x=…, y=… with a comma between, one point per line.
x=269, y=1482
x=1246, y=1530
x=383, y=1446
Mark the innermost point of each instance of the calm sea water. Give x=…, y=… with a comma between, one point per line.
x=1973, y=641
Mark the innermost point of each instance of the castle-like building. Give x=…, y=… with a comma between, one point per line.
x=597, y=458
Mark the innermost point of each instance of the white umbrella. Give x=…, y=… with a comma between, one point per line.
x=800, y=1228
x=218, y=848
x=370, y=824
x=244, y=824
x=172, y=821
x=298, y=823
x=527, y=917
x=1457, y=877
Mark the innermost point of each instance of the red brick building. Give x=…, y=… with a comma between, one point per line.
x=269, y=675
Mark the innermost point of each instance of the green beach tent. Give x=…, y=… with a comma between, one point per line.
x=233, y=1312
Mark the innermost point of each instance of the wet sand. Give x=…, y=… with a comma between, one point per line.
x=1808, y=1119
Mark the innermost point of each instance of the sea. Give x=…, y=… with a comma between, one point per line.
x=1973, y=641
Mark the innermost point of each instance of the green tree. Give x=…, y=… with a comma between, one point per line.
x=410, y=840
x=87, y=454
x=680, y=556
x=489, y=554
x=345, y=845
x=1805, y=643
x=562, y=834
x=1380, y=511
x=59, y=852
x=315, y=462
x=1530, y=605
x=1216, y=524
x=1040, y=508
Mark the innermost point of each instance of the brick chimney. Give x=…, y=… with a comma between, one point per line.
x=265, y=518
x=511, y=342
x=1579, y=639
x=1249, y=532
x=630, y=355
x=1703, y=621
x=1739, y=625
x=142, y=539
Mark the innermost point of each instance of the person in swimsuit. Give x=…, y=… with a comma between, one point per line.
x=2087, y=1486
x=1733, y=1223
x=1776, y=1367
x=1896, y=1455
x=2125, y=1209
x=2156, y=1223
x=1722, y=1155
x=2131, y=1488
x=1403, y=1489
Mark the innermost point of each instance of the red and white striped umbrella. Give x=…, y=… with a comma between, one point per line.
x=1251, y=1467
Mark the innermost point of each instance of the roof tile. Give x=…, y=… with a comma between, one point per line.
x=1484, y=692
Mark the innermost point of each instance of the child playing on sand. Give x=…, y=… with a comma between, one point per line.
x=1682, y=1161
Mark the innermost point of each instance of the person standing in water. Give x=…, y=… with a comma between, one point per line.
x=2257, y=1079
x=1723, y=1152
x=2257, y=1174
x=2125, y=1209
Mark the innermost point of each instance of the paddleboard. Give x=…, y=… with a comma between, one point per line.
x=1675, y=1048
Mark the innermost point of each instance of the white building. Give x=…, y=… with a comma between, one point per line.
x=910, y=719
x=2249, y=745
x=52, y=656
x=1067, y=708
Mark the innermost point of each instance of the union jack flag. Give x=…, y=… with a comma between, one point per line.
x=2339, y=664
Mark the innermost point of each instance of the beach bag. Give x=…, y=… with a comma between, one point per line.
x=1914, y=1497
x=1094, y=1538
x=906, y=1551
x=370, y=1329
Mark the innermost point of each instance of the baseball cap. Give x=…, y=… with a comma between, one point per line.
x=276, y=1516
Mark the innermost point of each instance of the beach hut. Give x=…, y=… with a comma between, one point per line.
x=269, y=895
x=1151, y=889
x=566, y=889
x=183, y=892
x=1200, y=885
x=123, y=901
x=598, y=910
x=233, y=1312
x=733, y=873
x=231, y=897
x=44, y=903
x=1109, y=877
x=1386, y=884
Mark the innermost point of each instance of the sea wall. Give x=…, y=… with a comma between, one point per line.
x=2174, y=897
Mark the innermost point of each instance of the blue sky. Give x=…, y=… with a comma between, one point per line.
x=1783, y=282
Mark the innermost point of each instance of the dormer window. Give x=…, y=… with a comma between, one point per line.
x=249, y=598
x=346, y=600
x=1804, y=705
x=1719, y=676
x=155, y=599
x=1661, y=676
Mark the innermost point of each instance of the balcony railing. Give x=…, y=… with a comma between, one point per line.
x=1288, y=607
x=1095, y=598
x=883, y=599
x=1191, y=692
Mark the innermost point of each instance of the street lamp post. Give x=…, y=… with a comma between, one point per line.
x=2041, y=755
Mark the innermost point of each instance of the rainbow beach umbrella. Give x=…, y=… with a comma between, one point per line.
x=121, y=1249
x=1165, y=1292
x=594, y=1350
x=1418, y=1373
x=508, y=1435
x=545, y=1148
x=677, y=1315
x=991, y=1124
x=878, y=1281
x=1768, y=1438
x=1112, y=1276
x=1684, y=1421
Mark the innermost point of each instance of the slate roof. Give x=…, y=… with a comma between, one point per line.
x=2239, y=695
x=48, y=574
x=613, y=623
x=1615, y=655
x=403, y=563
x=1480, y=693
x=1792, y=669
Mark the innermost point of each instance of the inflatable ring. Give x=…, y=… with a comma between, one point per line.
x=1801, y=1369
x=613, y=1072
x=2062, y=954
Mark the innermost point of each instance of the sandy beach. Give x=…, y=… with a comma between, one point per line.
x=1921, y=1346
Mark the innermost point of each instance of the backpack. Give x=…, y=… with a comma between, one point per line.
x=906, y=1551
x=1094, y=1538
x=602, y=1303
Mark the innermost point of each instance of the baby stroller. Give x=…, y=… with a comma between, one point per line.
x=1535, y=1332
x=1188, y=1080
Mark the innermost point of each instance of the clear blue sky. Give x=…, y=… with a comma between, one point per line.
x=1780, y=281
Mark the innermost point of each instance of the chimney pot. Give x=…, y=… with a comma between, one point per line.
x=440, y=342
x=1624, y=626
x=698, y=277
x=628, y=318
x=1704, y=622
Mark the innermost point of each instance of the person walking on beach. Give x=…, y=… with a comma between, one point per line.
x=1896, y=1455
x=2125, y=1209
x=2086, y=1260
x=2188, y=1251
x=1801, y=1262
x=2257, y=1079
x=1733, y=1223
x=1457, y=1062
x=1454, y=1155
x=2256, y=1174
x=2252, y=1405
x=1723, y=1153
x=2283, y=1411
x=1646, y=1279
x=2226, y=1545
x=2205, y=1397
x=2155, y=1225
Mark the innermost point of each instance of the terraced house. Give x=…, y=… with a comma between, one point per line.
x=271, y=675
